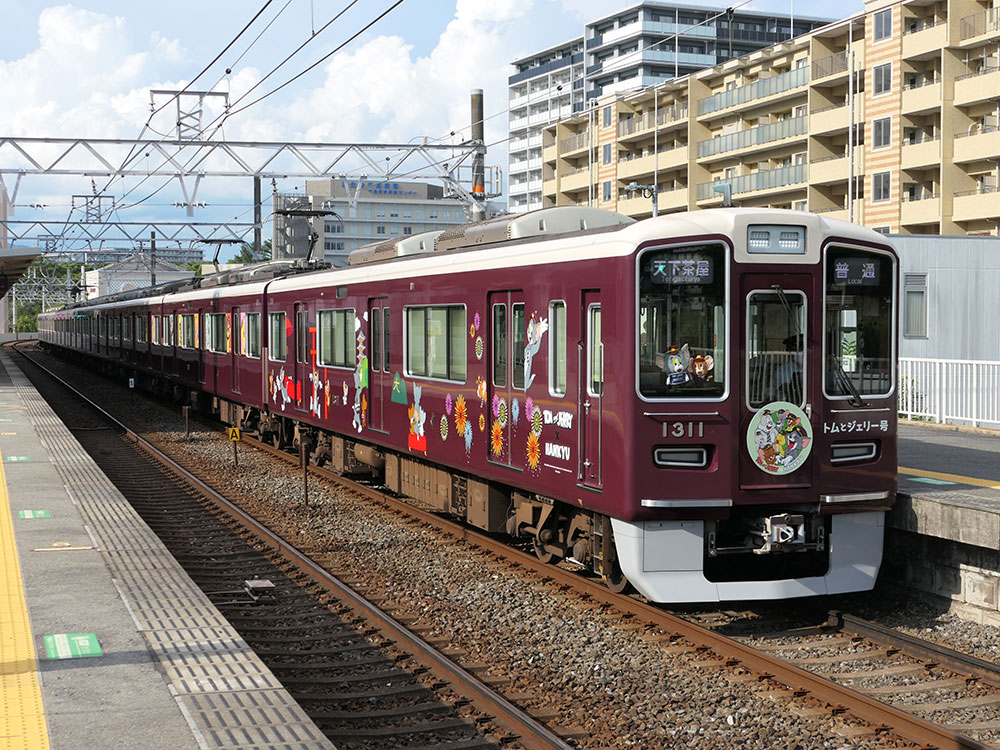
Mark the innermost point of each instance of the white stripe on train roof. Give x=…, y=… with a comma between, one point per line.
x=617, y=243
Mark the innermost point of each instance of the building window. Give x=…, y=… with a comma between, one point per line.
x=606, y=190
x=606, y=153
x=881, y=132
x=407, y=230
x=606, y=117
x=883, y=78
x=380, y=229
x=880, y=186
x=336, y=338
x=915, y=305
x=436, y=342
x=883, y=24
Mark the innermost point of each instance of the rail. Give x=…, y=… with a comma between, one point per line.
x=762, y=180
x=979, y=23
x=775, y=131
x=757, y=90
x=950, y=391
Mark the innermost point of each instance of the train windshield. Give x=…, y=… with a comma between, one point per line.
x=859, y=320
x=682, y=322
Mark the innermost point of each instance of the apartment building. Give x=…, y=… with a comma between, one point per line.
x=631, y=49
x=360, y=212
x=888, y=118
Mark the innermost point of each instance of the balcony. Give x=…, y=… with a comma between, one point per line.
x=769, y=179
x=983, y=203
x=928, y=38
x=921, y=96
x=829, y=170
x=840, y=212
x=921, y=154
x=779, y=84
x=979, y=24
x=775, y=131
x=658, y=28
x=922, y=208
x=979, y=86
x=829, y=120
x=646, y=165
x=635, y=127
x=666, y=201
x=829, y=66
x=517, y=189
x=549, y=154
x=576, y=180
x=577, y=142
x=984, y=144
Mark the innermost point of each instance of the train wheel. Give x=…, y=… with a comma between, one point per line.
x=541, y=553
x=616, y=580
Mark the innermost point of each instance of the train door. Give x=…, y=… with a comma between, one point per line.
x=779, y=385
x=590, y=391
x=505, y=379
x=380, y=376
x=235, y=345
x=303, y=337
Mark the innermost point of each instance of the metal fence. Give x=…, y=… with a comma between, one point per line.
x=950, y=391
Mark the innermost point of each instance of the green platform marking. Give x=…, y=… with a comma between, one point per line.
x=34, y=514
x=4, y=419
x=72, y=646
x=15, y=459
x=928, y=480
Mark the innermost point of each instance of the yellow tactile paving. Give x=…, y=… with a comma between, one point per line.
x=22, y=717
x=991, y=484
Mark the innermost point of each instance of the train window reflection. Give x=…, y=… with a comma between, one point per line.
x=776, y=351
x=858, y=323
x=682, y=315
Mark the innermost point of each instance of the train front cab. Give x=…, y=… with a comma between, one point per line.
x=766, y=384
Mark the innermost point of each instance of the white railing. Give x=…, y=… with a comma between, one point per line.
x=950, y=391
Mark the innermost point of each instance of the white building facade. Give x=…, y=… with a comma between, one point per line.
x=630, y=49
x=359, y=212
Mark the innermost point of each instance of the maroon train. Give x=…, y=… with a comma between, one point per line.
x=701, y=405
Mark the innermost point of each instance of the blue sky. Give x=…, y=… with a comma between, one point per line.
x=84, y=68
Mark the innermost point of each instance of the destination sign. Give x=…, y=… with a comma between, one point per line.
x=688, y=269
x=857, y=271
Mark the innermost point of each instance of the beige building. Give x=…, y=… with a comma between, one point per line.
x=908, y=144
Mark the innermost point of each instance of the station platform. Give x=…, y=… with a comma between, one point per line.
x=944, y=533
x=105, y=642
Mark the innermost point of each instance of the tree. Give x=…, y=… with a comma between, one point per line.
x=245, y=254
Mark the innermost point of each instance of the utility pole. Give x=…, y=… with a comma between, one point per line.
x=152, y=258
x=478, y=170
x=257, y=247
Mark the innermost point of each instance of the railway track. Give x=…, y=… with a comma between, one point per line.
x=364, y=679
x=802, y=676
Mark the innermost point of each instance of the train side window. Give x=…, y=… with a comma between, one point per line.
x=157, y=323
x=557, y=348
x=336, y=338
x=500, y=345
x=253, y=335
x=301, y=336
x=595, y=386
x=277, y=343
x=215, y=332
x=519, y=335
x=376, y=342
x=186, y=338
x=385, y=339
x=436, y=342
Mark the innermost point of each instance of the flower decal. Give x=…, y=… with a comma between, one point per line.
x=536, y=421
x=472, y=330
x=479, y=347
x=475, y=321
x=496, y=406
x=534, y=451
x=447, y=404
x=482, y=423
x=496, y=438
x=468, y=437
x=461, y=415
x=444, y=427
x=515, y=410
x=529, y=407
x=481, y=391
x=502, y=412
